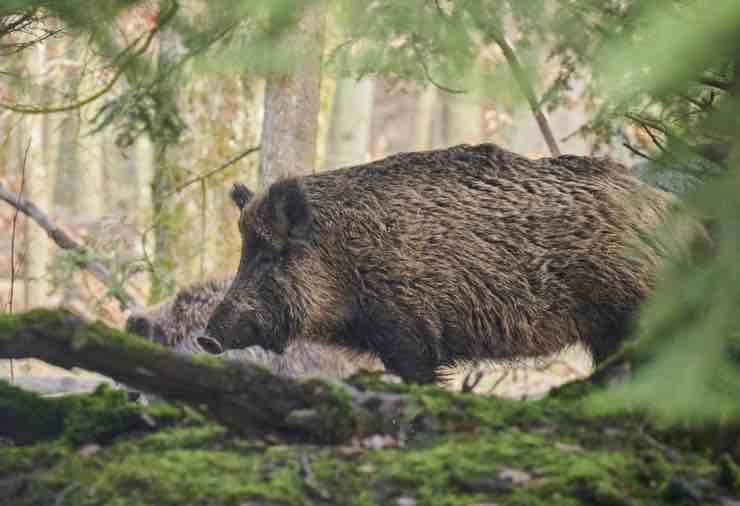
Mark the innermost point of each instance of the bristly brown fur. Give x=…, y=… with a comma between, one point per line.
x=177, y=318
x=430, y=258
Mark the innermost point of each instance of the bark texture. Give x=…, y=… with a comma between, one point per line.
x=247, y=399
x=290, y=121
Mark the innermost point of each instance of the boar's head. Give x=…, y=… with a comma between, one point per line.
x=281, y=285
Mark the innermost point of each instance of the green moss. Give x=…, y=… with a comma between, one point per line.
x=729, y=474
x=26, y=417
x=340, y=409
x=373, y=381
x=108, y=413
x=460, y=449
x=98, y=417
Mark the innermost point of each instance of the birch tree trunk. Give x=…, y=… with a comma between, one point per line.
x=38, y=190
x=69, y=174
x=349, y=132
x=88, y=196
x=288, y=143
x=164, y=209
x=428, y=120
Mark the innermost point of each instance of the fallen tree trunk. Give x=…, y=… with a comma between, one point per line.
x=243, y=397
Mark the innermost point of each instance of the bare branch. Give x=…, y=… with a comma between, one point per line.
x=472, y=380
x=528, y=91
x=637, y=152
x=64, y=241
x=648, y=126
x=12, y=249
x=12, y=236
x=208, y=174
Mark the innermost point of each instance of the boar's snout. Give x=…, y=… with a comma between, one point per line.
x=199, y=342
x=234, y=325
x=209, y=344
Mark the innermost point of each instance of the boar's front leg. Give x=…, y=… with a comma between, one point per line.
x=409, y=351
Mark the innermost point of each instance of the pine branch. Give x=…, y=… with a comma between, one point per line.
x=228, y=163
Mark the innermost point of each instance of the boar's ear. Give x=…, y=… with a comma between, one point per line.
x=240, y=195
x=290, y=213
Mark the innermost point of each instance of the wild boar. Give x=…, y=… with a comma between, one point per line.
x=432, y=258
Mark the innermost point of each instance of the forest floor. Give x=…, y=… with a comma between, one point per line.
x=466, y=449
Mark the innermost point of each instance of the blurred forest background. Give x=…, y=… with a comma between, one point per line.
x=126, y=121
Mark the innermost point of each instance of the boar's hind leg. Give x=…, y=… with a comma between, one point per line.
x=407, y=346
x=605, y=339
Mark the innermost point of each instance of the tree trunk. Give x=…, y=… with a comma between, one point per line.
x=37, y=188
x=428, y=120
x=464, y=120
x=349, y=133
x=288, y=145
x=164, y=180
x=69, y=171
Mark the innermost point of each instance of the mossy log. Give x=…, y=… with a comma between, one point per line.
x=246, y=398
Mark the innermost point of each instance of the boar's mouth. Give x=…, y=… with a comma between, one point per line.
x=199, y=342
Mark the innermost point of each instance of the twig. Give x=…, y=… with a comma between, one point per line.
x=499, y=381
x=208, y=174
x=653, y=137
x=12, y=247
x=64, y=241
x=427, y=74
x=203, y=228
x=528, y=91
x=637, y=152
x=472, y=380
x=563, y=363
